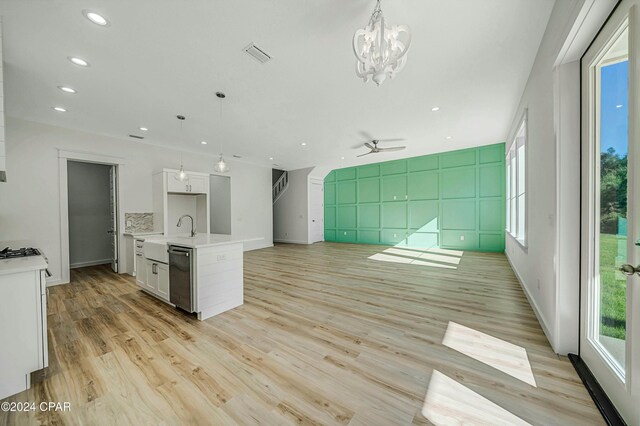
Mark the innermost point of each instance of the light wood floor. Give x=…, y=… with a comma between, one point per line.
x=326, y=336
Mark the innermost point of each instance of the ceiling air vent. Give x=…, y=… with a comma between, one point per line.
x=256, y=53
x=236, y=156
x=136, y=137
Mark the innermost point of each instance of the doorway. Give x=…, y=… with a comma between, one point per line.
x=610, y=285
x=220, y=204
x=92, y=210
x=316, y=210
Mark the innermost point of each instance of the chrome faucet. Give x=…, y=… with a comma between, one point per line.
x=193, y=231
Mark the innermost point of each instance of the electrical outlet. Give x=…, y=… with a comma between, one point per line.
x=222, y=257
x=461, y=237
x=395, y=235
x=129, y=224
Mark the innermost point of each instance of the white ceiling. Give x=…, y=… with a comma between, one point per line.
x=159, y=58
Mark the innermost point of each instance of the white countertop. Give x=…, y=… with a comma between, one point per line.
x=20, y=264
x=202, y=240
x=141, y=234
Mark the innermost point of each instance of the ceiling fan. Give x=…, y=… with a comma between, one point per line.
x=374, y=148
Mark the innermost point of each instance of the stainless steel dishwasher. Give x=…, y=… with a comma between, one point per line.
x=181, y=277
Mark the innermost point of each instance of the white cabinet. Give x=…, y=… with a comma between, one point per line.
x=151, y=283
x=157, y=278
x=23, y=327
x=163, y=280
x=173, y=198
x=198, y=184
x=192, y=184
x=174, y=184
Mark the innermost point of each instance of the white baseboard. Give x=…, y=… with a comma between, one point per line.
x=56, y=281
x=534, y=306
x=290, y=241
x=258, y=247
x=90, y=263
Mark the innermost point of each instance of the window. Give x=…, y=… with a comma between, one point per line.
x=516, y=184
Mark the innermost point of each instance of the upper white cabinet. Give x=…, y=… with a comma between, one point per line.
x=173, y=198
x=198, y=184
x=193, y=184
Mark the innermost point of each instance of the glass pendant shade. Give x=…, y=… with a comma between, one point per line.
x=182, y=175
x=380, y=49
x=221, y=166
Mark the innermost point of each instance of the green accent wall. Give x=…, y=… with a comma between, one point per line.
x=452, y=200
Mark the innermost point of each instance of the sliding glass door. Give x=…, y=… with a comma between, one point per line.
x=610, y=288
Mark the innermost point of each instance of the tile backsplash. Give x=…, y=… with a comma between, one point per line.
x=138, y=222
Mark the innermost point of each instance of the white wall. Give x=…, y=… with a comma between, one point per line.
x=2, y=131
x=290, y=211
x=89, y=214
x=548, y=267
x=29, y=202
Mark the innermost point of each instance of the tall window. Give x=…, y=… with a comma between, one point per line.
x=516, y=176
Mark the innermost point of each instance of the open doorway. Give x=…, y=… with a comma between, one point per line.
x=220, y=204
x=92, y=213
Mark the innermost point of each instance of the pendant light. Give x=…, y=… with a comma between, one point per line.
x=221, y=166
x=181, y=175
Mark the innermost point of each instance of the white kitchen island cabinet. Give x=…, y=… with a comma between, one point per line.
x=216, y=271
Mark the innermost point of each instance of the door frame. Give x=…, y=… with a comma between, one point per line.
x=87, y=157
x=612, y=381
x=320, y=182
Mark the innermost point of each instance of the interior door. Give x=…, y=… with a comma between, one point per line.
x=316, y=202
x=113, y=212
x=610, y=285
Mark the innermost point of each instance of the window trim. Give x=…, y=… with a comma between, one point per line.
x=511, y=152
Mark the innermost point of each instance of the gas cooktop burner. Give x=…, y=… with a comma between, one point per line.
x=9, y=253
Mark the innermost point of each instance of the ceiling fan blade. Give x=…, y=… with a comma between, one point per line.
x=366, y=153
x=366, y=135
x=392, y=140
x=368, y=145
x=391, y=149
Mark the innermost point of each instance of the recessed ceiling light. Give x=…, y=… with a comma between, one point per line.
x=434, y=109
x=96, y=18
x=203, y=142
x=303, y=144
x=342, y=158
x=78, y=61
x=144, y=129
x=449, y=137
x=67, y=89
x=618, y=106
x=270, y=158
x=59, y=109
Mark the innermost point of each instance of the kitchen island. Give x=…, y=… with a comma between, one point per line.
x=201, y=274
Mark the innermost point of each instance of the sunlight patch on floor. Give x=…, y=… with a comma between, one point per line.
x=408, y=261
x=497, y=353
x=451, y=403
x=423, y=255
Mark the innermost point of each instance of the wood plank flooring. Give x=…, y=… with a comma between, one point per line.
x=326, y=336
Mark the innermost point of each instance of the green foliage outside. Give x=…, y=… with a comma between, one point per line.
x=613, y=290
x=613, y=212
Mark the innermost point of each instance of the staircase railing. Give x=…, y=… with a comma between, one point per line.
x=280, y=186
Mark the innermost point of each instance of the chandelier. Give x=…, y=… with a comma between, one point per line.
x=381, y=49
